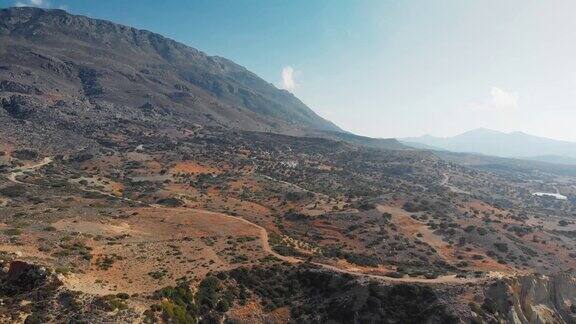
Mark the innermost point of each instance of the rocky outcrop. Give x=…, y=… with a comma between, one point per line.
x=31, y=293
x=532, y=299
x=22, y=277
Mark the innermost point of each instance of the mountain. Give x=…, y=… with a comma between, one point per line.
x=67, y=74
x=144, y=181
x=420, y=146
x=490, y=142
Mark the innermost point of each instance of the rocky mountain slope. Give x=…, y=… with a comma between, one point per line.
x=68, y=73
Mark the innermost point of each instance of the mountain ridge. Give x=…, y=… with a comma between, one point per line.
x=490, y=142
x=77, y=60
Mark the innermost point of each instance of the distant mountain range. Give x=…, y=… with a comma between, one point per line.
x=495, y=143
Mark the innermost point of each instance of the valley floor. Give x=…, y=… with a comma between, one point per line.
x=118, y=229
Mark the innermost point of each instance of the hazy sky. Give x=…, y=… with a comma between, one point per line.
x=387, y=68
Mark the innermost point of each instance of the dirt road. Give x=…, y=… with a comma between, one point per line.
x=20, y=171
x=267, y=248
x=265, y=239
x=452, y=188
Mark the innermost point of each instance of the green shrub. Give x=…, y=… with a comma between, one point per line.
x=13, y=191
x=112, y=303
x=178, y=306
x=502, y=247
x=122, y=295
x=12, y=231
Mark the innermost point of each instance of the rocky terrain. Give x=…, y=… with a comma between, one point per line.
x=144, y=181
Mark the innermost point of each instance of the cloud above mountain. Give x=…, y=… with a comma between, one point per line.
x=39, y=4
x=32, y=3
x=288, y=78
x=500, y=100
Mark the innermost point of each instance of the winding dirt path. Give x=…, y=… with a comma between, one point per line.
x=292, y=185
x=265, y=239
x=14, y=174
x=445, y=183
x=263, y=235
x=267, y=248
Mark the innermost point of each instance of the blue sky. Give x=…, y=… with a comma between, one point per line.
x=387, y=68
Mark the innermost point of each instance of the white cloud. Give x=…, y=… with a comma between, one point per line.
x=32, y=3
x=289, y=78
x=500, y=100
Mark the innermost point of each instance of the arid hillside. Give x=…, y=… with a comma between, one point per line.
x=68, y=68
x=118, y=227
x=142, y=181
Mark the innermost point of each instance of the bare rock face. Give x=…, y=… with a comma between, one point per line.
x=533, y=299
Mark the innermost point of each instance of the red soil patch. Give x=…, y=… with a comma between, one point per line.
x=194, y=168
